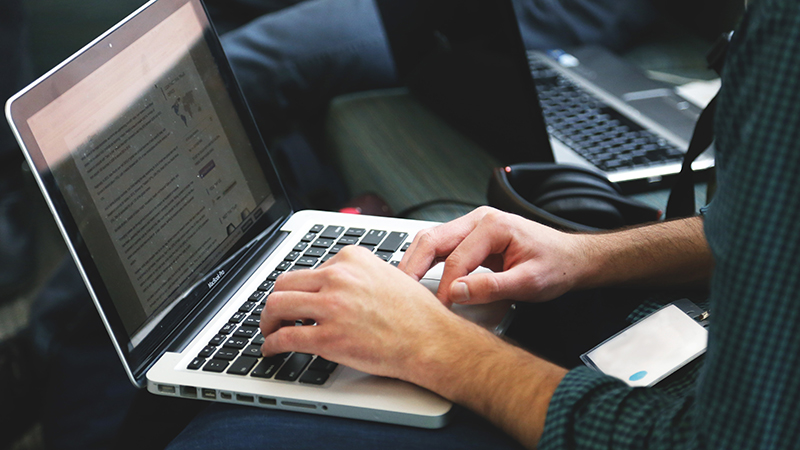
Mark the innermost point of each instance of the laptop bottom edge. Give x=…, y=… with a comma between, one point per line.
x=350, y=394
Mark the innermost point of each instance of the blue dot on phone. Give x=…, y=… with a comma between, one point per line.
x=638, y=375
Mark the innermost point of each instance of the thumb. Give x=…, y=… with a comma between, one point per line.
x=479, y=288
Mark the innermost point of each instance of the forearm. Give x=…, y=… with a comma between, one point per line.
x=669, y=254
x=505, y=384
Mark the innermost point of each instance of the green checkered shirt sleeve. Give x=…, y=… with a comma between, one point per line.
x=747, y=393
x=593, y=411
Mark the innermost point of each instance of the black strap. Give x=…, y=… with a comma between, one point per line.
x=681, y=199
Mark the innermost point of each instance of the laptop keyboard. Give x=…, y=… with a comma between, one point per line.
x=236, y=348
x=597, y=132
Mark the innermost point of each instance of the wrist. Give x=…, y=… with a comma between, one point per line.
x=447, y=355
x=588, y=262
x=503, y=383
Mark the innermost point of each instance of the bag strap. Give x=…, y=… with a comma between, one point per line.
x=681, y=201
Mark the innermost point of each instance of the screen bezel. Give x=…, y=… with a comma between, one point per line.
x=39, y=94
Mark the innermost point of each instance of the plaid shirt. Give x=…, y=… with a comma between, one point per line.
x=746, y=395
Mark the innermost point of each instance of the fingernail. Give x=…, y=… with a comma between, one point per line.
x=459, y=293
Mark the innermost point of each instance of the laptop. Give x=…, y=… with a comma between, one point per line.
x=174, y=213
x=466, y=61
x=605, y=114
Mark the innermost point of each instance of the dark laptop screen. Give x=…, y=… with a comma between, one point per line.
x=466, y=61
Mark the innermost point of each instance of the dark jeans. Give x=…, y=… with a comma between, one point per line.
x=234, y=427
x=290, y=64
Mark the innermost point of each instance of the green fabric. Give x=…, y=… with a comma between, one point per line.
x=385, y=142
x=748, y=389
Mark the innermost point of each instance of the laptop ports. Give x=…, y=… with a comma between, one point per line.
x=209, y=394
x=245, y=398
x=267, y=401
x=166, y=389
x=188, y=391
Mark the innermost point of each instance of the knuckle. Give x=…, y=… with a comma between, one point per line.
x=423, y=235
x=425, y=238
x=326, y=337
x=453, y=259
x=351, y=251
x=484, y=210
x=494, y=217
x=274, y=302
x=536, y=284
x=333, y=275
x=495, y=285
x=336, y=306
x=282, y=279
x=283, y=338
x=347, y=251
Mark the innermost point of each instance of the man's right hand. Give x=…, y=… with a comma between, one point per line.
x=531, y=262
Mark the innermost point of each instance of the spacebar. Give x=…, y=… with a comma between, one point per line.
x=293, y=367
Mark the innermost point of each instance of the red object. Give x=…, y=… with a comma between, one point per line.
x=367, y=204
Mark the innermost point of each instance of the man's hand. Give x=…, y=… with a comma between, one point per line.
x=372, y=317
x=531, y=262
x=369, y=315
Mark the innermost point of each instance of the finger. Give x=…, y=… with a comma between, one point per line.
x=431, y=244
x=291, y=339
x=487, y=287
x=289, y=306
x=299, y=280
x=486, y=240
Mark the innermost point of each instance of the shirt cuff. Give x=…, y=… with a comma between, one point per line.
x=595, y=411
x=577, y=385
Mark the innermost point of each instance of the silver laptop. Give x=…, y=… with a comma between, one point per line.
x=465, y=59
x=603, y=113
x=150, y=161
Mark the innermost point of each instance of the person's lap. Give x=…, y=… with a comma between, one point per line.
x=560, y=330
x=233, y=427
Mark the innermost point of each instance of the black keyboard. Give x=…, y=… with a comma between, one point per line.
x=594, y=130
x=236, y=348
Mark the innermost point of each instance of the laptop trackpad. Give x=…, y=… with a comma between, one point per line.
x=493, y=316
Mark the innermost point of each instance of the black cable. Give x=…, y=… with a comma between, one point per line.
x=412, y=209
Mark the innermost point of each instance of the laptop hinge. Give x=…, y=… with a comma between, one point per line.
x=219, y=297
x=226, y=291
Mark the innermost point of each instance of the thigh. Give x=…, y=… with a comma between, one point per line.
x=84, y=393
x=230, y=14
x=292, y=63
x=235, y=427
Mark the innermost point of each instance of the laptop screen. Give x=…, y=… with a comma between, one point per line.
x=465, y=60
x=142, y=137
